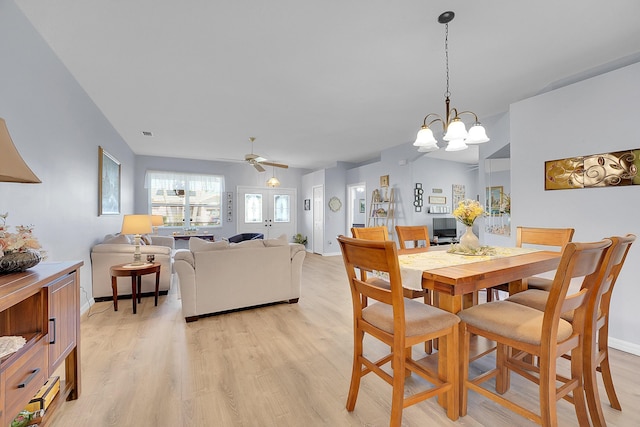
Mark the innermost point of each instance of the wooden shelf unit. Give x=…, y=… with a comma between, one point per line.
x=41, y=304
x=388, y=220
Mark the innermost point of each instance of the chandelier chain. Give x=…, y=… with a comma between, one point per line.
x=446, y=55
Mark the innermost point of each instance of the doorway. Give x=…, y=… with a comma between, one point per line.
x=318, y=220
x=356, y=206
x=270, y=211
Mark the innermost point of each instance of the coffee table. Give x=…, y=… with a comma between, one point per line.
x=135, y=272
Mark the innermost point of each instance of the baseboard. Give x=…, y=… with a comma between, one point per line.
x=625, y=346
x=332, y=254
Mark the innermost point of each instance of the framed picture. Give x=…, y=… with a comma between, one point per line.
x=494, y=199
x=384, y=181
x=307, y=204
x=437, y=200
x=109, y=175
x=361, y=204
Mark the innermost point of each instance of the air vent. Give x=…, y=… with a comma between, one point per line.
x=147, y=133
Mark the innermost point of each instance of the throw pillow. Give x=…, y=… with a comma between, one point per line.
x=197, y=245
x=258, y=243
x=121, y=239
x=146, y=239
x=280, y=241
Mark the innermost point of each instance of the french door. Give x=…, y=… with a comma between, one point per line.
x=270, y=211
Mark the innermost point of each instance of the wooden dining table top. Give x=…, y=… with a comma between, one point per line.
x=455, y=281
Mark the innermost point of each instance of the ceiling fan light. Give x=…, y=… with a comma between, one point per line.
x=456, y=130
x=425, y=139
x=477, y=134
x=456, y=145
x=273, y=182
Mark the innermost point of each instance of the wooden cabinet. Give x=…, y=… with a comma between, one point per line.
x=41, y=304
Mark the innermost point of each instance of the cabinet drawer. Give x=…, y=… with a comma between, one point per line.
x=24, y=378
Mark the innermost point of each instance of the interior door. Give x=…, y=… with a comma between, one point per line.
x=318, y=219
x=270, y=211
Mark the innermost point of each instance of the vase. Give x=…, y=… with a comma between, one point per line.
x=19, y=261
x=469, y=240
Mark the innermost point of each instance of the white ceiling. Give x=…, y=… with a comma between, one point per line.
x=317, y=81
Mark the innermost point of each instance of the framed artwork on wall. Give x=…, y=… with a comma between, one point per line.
x=109, y=176
x=384, y=181
x=307, y=204
x=494, y=200
x=361, y=205
x=437, y=200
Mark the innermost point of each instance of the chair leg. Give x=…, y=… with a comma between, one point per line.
x=605, y=368
x=464, y=371
x=428, y=345
x=577, y=370
x=356, y=370
x=548, y=403
x=503, y=378
x=397, y=398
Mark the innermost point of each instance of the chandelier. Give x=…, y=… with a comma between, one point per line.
x=455, y=130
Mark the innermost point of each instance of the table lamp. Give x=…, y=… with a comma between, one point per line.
x=136, y=225
x=156, y=221
x=12, y=166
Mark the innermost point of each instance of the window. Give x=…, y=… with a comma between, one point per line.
x=186, y=200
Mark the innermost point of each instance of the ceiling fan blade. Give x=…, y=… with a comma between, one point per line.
x=277, y=165
x=258, y=167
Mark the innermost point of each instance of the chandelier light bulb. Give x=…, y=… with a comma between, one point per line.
x=456, y=145
x=477, y=134
x=425, y=140
x=455, y=130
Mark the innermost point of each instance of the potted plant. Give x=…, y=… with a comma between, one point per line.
x=299, y=238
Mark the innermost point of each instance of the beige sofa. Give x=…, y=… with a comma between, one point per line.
x=119, y=250
x=221, y=276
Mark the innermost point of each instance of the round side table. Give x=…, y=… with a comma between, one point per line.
x=135, y=272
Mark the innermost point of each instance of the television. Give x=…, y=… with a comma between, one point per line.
x=444, y=227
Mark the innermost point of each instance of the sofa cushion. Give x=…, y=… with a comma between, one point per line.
x=196, y=245
x=121, y=239
x=280, y=241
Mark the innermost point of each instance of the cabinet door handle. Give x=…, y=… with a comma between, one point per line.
x=53, y=319
x=31, y=376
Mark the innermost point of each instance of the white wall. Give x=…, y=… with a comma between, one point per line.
x=57, y=130
x=598, y=115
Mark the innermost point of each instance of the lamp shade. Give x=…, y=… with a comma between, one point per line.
x=273, y=182
x=425, y=140
x=12, y=167
x=477, y=134
x=456, y=145
x=136, y=224
x=455, y=130
x=157, y=220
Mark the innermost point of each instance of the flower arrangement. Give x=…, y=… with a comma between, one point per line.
x=20, y=241
x=467, y=211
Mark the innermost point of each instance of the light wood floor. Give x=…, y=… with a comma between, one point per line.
x=282, y=365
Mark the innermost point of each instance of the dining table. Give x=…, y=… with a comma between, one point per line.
x=454, y=276
x=455, y=279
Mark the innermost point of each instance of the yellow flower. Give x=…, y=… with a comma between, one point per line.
x=467, y=211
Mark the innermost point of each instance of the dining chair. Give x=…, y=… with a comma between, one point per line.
x=400, y=323
x=382, y=233
x=544, y=238
x=596, y=341
x=418, y=235
x=520, y=331
x=371, y=233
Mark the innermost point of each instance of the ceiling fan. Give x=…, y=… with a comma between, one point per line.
x=258, y=161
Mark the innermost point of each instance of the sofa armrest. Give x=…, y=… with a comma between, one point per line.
x=129, y=249
x=167, y=241
x=185, y=255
